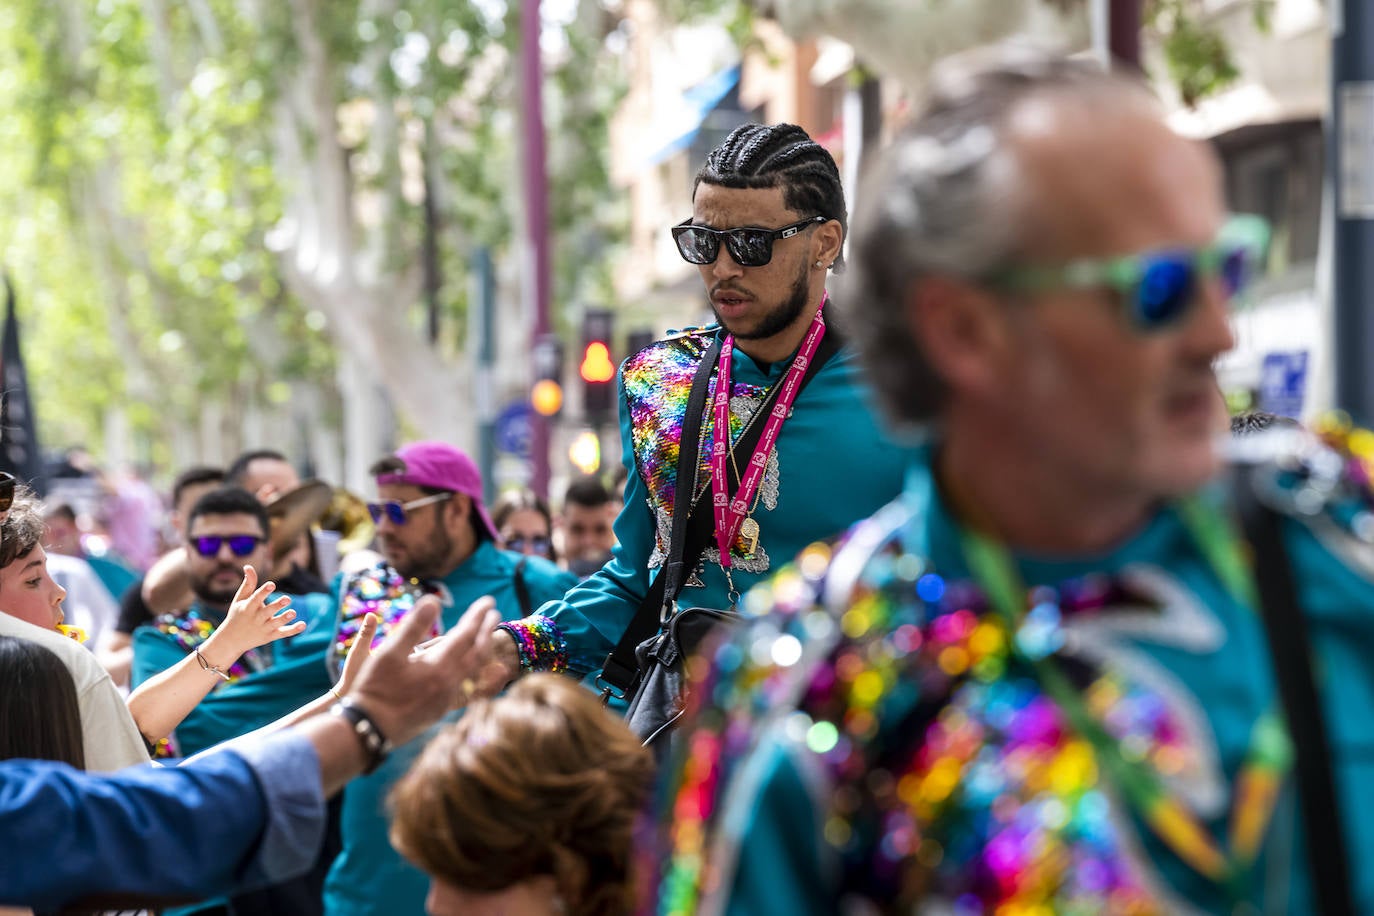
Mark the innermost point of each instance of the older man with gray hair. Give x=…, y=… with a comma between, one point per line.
x=1055, y=675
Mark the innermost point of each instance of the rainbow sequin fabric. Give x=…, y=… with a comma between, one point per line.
x=658, y=382
x=949, y=781
x=379, y=590
x=954, y=781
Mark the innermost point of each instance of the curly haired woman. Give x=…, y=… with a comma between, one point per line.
x=526, y=805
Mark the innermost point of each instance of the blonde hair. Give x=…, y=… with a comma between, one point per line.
x=540, y=781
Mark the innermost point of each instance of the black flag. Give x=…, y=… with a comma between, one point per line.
x=19, y=453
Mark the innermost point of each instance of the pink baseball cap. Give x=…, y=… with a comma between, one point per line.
x=444, y=467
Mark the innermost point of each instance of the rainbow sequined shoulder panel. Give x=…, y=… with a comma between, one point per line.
x=954, y=781
x=658, y=382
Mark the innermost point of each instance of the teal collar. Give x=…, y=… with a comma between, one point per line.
x=937, y=534
x=486, y=562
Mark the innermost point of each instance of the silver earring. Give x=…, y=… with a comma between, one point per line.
x=818, y=263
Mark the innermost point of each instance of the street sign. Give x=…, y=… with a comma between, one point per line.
x=514, y=429
x=1283, y=383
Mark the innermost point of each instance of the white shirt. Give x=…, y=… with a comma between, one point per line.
x=112, y=739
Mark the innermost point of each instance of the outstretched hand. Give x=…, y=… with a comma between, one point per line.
x=162, y=701
x=406, y=691
x=493, y=671
x=253, y=620
x=358, y=653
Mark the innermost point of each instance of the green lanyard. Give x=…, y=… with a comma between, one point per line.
x=1267, y=760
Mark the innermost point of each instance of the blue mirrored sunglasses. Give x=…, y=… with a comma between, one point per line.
x=396, y=511
x=241, y=545
x=1157, y=288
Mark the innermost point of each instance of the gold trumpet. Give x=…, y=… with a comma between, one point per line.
x=347, y=514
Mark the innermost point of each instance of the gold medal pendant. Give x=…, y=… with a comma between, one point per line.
x=749, y=533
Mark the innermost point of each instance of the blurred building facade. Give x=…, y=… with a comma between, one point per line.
x=690, y=86
x=1268, y=128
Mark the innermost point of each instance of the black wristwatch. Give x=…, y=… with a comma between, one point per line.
x=374, y=742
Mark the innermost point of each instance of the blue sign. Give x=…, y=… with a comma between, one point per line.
x=1283, y=382
x=514, y=429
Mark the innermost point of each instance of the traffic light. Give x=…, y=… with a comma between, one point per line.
x=596, y=367
x=638, y=340
x=546, y=394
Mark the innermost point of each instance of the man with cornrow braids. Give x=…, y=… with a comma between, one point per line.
x=767, y=227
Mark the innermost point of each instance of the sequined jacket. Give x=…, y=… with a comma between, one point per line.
x=874, y=740
x=833, y=464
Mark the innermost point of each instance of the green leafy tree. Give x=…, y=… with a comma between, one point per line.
x=1196, y=54
x=230, y=200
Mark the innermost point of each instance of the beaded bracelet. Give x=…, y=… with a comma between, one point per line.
x=540, y=643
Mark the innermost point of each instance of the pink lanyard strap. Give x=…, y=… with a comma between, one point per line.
x=729, y=514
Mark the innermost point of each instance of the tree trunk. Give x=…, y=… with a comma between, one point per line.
x=366, y=292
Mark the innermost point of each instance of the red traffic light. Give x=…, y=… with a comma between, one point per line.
x=596, y=363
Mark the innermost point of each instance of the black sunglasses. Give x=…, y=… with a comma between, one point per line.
x=241, y=545
x=750, y=246
x=6, y=491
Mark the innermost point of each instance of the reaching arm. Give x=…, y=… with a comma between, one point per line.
x=167, y=586
x=247, y=814
x=358, y=653
x=161, y=702
x=589, y=620
x=405, y=690
x=147, y=830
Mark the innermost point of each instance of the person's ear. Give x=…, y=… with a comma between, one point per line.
x=826, y=243
x=962, y=330
x=457, y=508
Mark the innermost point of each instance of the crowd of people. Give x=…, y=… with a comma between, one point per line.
x=953, y=594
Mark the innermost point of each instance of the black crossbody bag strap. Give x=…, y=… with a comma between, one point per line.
x=621, y=669
x=1291, y=653
x=691, y=531
x=522, y=589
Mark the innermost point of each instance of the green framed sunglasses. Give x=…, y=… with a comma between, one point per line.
x=1157, y=288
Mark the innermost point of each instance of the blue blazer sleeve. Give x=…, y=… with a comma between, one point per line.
x=226, y=821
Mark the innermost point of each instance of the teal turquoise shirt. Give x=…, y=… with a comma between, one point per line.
x=284, y=675
x=369, y=878
x=870, y=738
x=833, y=464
